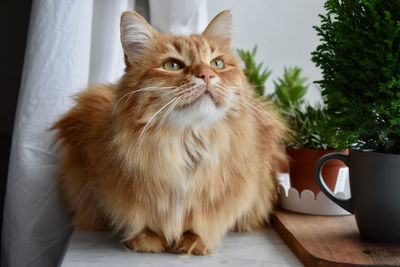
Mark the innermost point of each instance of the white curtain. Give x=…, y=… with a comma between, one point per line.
x=70, y=45
x=179, y=16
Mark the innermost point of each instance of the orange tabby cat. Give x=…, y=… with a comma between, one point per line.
x=178, y=152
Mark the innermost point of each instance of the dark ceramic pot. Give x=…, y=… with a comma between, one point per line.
x=375, y=192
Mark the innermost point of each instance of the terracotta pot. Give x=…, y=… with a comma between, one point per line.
x=302, y=166
x=284, y=164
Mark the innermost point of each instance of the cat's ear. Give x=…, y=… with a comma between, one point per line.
x=220, y=26
x=136, y=34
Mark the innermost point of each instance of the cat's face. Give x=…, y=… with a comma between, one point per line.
x=181, y=81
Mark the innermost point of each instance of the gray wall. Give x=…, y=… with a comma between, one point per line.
x=281, y=29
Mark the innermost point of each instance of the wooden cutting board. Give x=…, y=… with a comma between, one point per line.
x=331, y=241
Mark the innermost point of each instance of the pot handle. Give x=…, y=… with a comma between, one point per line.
x=345, y=204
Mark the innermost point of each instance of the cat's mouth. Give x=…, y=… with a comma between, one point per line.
x=209, y=94
x=205, y=94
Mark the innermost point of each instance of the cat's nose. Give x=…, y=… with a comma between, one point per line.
x=206, y=75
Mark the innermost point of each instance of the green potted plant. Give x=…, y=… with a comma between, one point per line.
x=311, y=133
x=359, y=56
x=255, y=73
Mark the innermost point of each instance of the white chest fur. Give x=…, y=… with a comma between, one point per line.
x=186, y=153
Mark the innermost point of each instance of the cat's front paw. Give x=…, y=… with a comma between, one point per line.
x=147, y=241
x=191, y=244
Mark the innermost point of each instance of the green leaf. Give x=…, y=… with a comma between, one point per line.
x=254, y=72
x=359, y=56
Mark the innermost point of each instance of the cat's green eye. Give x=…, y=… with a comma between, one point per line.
x=172, y=65
x=217, y=64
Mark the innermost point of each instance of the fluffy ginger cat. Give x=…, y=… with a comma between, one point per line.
x=176, y=154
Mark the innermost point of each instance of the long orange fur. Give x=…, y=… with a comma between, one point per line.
x=162, y=185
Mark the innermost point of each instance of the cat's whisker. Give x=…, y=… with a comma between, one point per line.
x=191, y=89
x=240, y=101
x=254, y=104
x=176, y=90
x=258, y=111
x=119, y=100
x=264, y=114
x=270, y=118
x=239, y=87
x=150, y=88
x=174, y=101
x=167, y=112
x=152, y=117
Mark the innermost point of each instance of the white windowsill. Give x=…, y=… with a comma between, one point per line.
x=101, y=249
